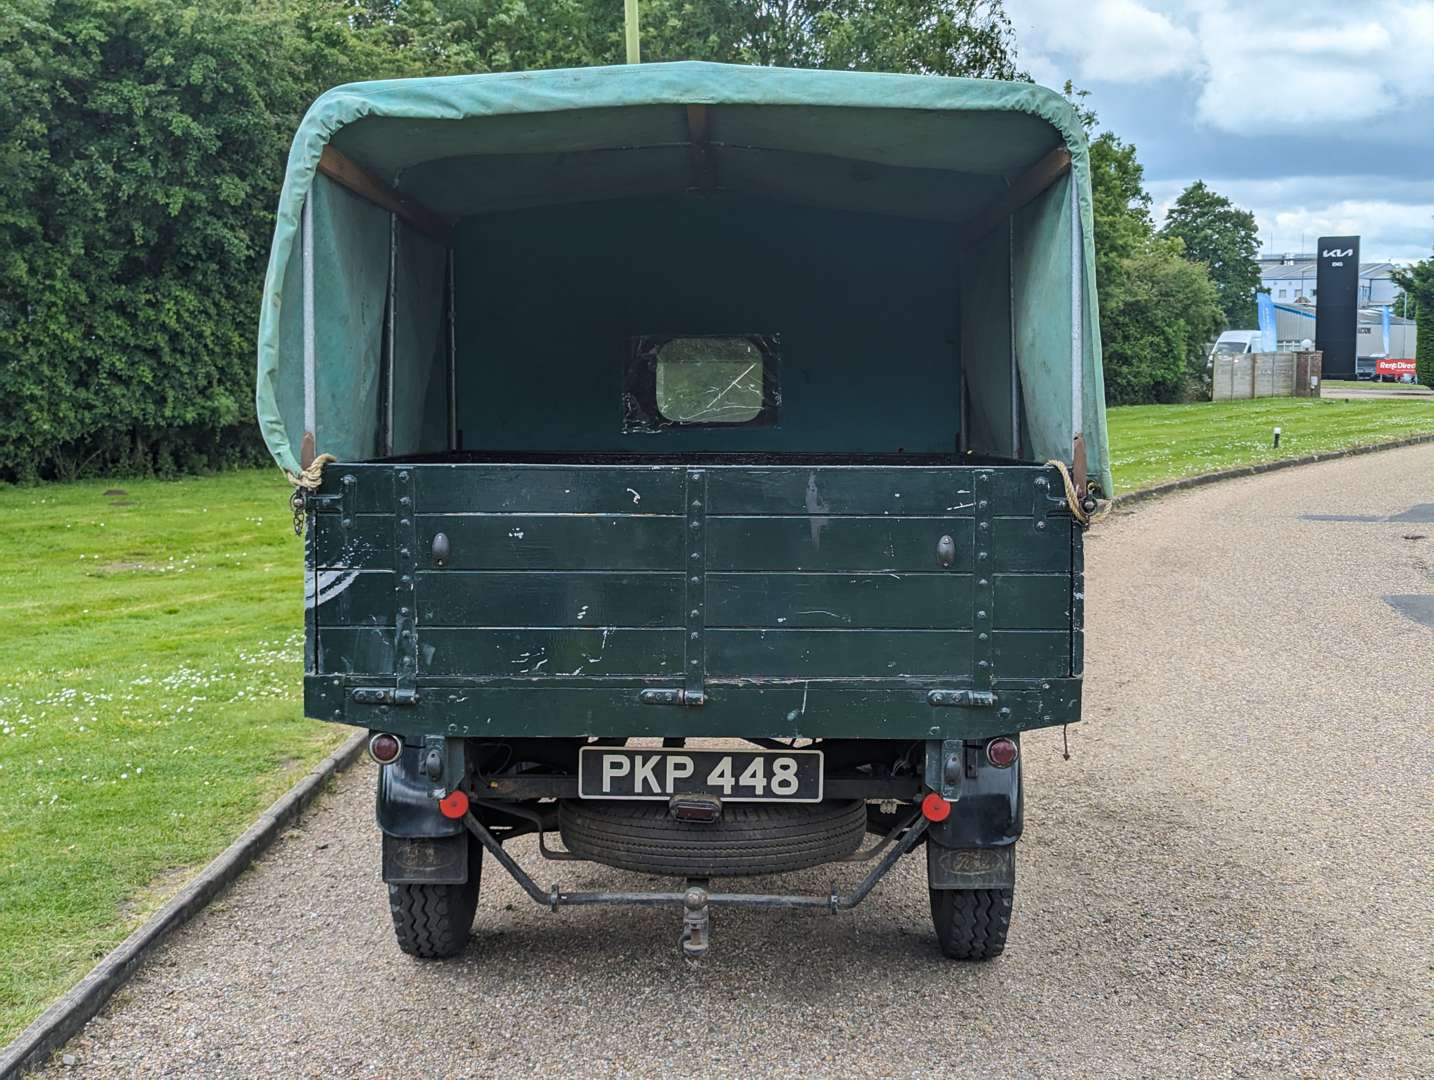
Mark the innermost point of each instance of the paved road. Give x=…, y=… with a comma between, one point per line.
x=1233, y=875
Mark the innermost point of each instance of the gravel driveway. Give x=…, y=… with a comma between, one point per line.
x=1233, y=875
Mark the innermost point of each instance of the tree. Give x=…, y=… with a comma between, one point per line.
x=1155, y=323
x=1219, y=234
x=935, y=37
x=1417, y=282
x=1157, y=310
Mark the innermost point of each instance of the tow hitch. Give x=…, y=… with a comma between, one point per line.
x=696, y=901
x=696, y=926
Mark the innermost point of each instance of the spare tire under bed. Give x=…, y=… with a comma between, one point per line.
x=749, y=839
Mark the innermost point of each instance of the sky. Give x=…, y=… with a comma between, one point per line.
x=1317, y=115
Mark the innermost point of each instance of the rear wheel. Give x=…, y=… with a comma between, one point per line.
x=971, y=924
x=433, y=921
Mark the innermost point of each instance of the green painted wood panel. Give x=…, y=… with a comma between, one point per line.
x=356, y=650
x=826, y=544
x=860, y=654
x=549, y=652
x=879, y=601
x=367, y=543
x=555, y=542
x=355, y=598
x=1031, y=653
x=579, y=599
x=1032, y=602
x=1018, y=546
x=499, y=598
x=549, y=489
x=839, y=490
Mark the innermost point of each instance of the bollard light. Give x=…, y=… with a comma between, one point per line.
x=1277, y=438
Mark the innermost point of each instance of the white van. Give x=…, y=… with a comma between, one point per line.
x=1237, y=342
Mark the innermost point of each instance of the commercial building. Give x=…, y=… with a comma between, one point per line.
x=1291, y=279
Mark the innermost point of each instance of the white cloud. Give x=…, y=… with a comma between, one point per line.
x=1111, y=40
x=1257, y=68
x=1266, y=72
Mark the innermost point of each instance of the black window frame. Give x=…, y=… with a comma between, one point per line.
x=639, y=390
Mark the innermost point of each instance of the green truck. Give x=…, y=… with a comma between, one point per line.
x=693, y=462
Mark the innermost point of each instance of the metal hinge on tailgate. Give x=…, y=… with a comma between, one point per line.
x=962, y=699
x=670, y=697
x=383, y=695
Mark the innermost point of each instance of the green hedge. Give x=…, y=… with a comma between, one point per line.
x=134, y=222
x=142, y=143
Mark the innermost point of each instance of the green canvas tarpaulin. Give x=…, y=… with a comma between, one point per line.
x=352, y=340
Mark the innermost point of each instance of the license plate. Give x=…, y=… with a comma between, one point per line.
x=733, y=776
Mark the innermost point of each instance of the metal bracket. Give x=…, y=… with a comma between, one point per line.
x=443, y=762
x=670, y=697
x=983, y=595
x=944, y=759
x=962, y=699
x=695, y=536
x=405, y=596
x=1047, y=499
x=383, y=695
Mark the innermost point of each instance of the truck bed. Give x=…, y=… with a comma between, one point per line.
x=508, y=599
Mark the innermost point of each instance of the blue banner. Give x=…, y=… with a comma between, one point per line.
x=1384, y=321
x=1265, y=308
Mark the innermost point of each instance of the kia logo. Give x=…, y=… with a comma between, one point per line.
x=1336, y=253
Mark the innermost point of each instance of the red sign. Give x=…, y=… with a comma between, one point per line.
x=1394, y=367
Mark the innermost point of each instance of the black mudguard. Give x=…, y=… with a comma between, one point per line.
x=420, y=845
x=988, y=811
x=406, y=806
x=974, y=848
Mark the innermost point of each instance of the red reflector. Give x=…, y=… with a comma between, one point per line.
x=454, y=804
x=1002, y=752
x=384, y=748
x=935, y=808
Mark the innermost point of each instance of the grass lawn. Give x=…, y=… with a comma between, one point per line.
x=149, y=704
x=1152, y=443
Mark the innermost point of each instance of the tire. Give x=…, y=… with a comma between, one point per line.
x=971, y=924
x=432, y=922
x=750, y=838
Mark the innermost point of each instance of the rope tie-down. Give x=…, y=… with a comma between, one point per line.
x=306, y=480
x=1086, y=510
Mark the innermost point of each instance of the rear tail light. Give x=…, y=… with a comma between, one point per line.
x=385, y=748
x=1002, y=752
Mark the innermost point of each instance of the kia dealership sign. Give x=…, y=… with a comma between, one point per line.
x=1337, y=303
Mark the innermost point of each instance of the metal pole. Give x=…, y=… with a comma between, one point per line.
x=310, y=404
x=633, y=33
x=452, y=362
x=386, y=443
x=1077, y=300
x=1011, y=312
